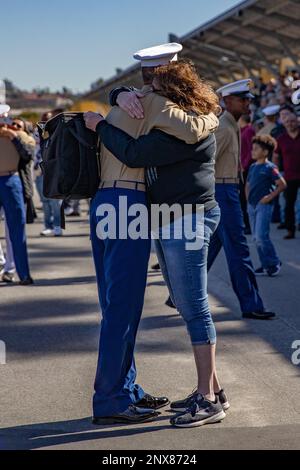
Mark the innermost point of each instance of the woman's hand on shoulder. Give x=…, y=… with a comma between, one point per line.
x=129, y=102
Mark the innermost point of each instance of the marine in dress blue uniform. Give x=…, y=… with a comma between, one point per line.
x=121, y=269
x=230, y=233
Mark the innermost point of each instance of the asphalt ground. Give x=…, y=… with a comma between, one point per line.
x=51, y=331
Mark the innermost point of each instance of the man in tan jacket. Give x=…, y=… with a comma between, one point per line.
x=230, y=233
x=270, y=122
x=121, y=263
x=13, y=148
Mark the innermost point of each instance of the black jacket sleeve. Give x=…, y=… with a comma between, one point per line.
x=154, y=149
x=113, y=95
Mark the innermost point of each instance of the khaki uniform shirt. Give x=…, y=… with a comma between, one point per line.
x=228, y=138
x=159, y=113
x=267, y=129
x=9, y=156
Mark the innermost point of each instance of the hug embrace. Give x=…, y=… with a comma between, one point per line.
x=158, y=146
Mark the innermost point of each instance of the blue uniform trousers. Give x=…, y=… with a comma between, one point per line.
x=121, y=269
x=230, y=235
x=12, y=201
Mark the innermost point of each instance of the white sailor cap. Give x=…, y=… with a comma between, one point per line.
x=271, y=110
x=4, y=108
x=158, y=55
x=240, y=88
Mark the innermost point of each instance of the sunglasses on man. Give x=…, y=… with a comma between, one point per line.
x=17, y=125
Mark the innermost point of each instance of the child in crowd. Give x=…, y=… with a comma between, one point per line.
x=264, y=183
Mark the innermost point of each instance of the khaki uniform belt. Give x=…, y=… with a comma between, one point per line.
x=122, y=184
x=227, y=180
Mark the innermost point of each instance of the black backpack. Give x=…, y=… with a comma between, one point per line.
x=70, y=158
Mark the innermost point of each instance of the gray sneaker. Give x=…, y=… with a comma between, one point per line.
x=182, y=405
x=223, y=399
x=202, y=412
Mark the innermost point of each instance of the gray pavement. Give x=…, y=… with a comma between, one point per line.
x=51, y=332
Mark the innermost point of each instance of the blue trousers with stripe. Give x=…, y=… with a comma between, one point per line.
x=121, y=269
x=230, y=235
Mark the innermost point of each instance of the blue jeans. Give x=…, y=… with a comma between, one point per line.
x=121, y=269
x=260, y=220
x=51, y=207
x=230, y=235
x=12, y=201
x=185, y=272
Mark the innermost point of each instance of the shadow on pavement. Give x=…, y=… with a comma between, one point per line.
x=35, y=436
x=56, y=253
x=65, y=281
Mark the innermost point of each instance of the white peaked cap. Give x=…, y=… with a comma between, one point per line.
x=239, y=88
x=271, y=110
x=4, y=108
x=158, y=55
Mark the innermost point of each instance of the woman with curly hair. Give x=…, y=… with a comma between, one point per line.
x=180, y=83
x=181, y=174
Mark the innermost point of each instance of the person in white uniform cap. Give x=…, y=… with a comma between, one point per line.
x=270, y=121
x=128, y=97
x=239, y=88
x=230, y=232
x=121, y=284
x=158, y=55
x=271, y=110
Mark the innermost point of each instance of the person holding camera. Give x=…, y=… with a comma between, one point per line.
x=13, y=154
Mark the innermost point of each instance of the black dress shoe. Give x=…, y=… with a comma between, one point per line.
x=290, y=235
x=28, y=281
x=259, y=315
x=169, y=303
x=133, y=415
x=152, y=403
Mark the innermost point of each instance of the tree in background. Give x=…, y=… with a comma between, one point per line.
x=85, y=105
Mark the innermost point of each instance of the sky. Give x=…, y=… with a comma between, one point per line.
x=72, y=43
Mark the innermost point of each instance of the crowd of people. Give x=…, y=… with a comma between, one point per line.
x=274, y=114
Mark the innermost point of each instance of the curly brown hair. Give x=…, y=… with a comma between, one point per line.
x=180, y=83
